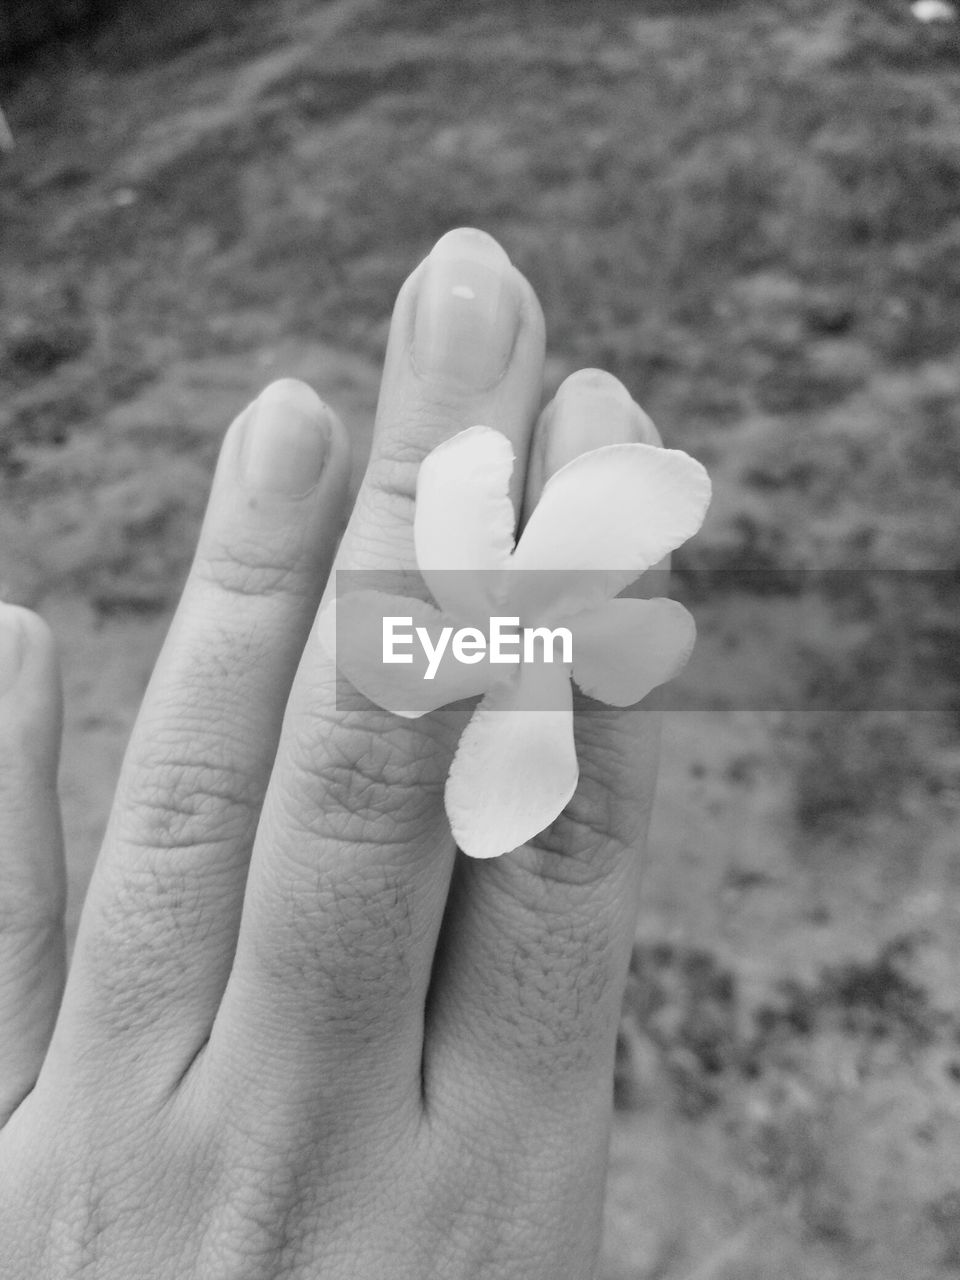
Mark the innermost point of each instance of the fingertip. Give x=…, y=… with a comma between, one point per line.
x=294, y=394
x=453, y=242
x=297, y=397
x=286, y=444
x=598, y=381
x=530, y=324
x=591, y=408
x=617, y=416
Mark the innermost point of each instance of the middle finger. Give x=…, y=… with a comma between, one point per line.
x=351, y=866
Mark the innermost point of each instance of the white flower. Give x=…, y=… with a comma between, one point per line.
x=601, y=521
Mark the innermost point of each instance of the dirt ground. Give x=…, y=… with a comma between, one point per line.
x=750, y=216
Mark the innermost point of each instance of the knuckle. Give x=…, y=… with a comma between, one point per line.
x=249, y=563
x=153, y=900
x=577, y=850
x=363, y=777
x=603, y=827
x=178, y=798
x=259, y=1180
x=403, y=442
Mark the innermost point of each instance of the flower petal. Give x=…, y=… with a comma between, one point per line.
x=516, y=765
x=351, y=629
x=625, y=648
x=606, y=516
x=464, y=523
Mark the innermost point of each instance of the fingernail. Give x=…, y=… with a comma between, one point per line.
x=468, y=310
x=591, y=408
x=286, y=440
x=11, y=646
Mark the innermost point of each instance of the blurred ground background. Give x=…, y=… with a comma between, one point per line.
x=750, y=212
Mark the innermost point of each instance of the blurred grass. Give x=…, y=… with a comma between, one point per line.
x=751, y=214
x=751, y=220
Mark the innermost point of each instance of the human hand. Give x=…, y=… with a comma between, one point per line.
x=301, y=1036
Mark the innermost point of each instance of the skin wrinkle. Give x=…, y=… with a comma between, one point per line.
x=366, y=791
x=403, y=444
x=237, y=573
x=383, y=781
x=577, y=850
x=77, y=1227
x=225, y=733
x=226, y=658
x=373, y=551
x=251, y=1221
x=185, y=792
x=199, y=812
x=601, y=823
x=228, y=577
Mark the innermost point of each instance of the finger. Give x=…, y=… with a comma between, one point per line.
x=535, y=944
x=583, y=395
x=156, y=937
x=32, y=876
x=349, y=875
